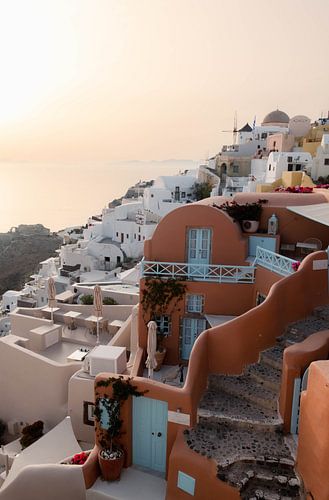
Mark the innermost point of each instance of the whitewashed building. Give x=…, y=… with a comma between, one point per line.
x=320, y=167
x=293, y=161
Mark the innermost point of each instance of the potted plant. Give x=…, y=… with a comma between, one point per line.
x=248, y=214
x=107, y=415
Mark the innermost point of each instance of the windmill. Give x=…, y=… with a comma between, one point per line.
x=235, y=128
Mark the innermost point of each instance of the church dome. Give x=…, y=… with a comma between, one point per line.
x=277, y=118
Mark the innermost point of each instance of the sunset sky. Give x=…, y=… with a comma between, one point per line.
x=153, y=79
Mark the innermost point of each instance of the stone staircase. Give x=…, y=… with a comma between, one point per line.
x=240, y=427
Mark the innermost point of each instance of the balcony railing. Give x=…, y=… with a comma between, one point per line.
x=274, y=262
x=199, y=272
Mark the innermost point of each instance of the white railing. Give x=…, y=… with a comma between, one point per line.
x=199, y=272
x=274, y=262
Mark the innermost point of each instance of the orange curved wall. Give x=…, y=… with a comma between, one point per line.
x=168, y=243
x=296, y=359
x=313, y=440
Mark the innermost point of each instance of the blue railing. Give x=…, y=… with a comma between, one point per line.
x=199, y=272
x=274, y=262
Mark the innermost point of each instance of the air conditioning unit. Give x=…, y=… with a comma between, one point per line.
x=105, y=358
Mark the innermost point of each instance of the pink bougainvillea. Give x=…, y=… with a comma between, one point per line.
x=294, y=189
x=295, y=265
x=79, y=458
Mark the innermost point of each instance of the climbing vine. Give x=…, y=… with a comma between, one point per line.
x=161, y=296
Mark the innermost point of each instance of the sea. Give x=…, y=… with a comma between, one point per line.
x=60, y=195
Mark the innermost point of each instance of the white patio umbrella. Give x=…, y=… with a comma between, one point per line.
x=151, y=347
x=98, y=307
x=51, y=296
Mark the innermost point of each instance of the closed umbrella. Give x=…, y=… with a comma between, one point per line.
x=151, y=347
x=98, y=306
x=51, y=296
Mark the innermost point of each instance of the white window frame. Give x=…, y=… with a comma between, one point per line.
x=194, y=303
x=163, y=324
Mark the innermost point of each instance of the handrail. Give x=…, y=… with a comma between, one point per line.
x=199, y=272
x=274, y=262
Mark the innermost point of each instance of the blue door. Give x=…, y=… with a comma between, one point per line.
x=192, y=327
x=198, y=251
x=150, y=418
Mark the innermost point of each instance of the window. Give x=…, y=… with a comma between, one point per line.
x=152, y=195
x=289, y=167
x=163, y=324
x=274, y=144
x=139, y=237
x=194, y=303
x=270, y=167
x=134, y=236
x=235, y=169
x=298, y=167
x=118, y=259
x=183, y=194
x=289, y=159
x=127, y=236
x=117, y=235
x=326, y=161
x=264, y=135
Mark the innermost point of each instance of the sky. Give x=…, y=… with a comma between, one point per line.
x=117, y=80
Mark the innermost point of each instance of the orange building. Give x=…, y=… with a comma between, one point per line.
x=248, y=321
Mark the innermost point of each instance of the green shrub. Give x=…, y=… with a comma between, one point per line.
x=87, y=300
x=108, y=301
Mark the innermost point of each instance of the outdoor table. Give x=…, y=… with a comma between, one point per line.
x=72, y=315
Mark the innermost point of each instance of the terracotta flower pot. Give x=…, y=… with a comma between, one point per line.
x=159, y=357
x=250, y=226
x=111, y=467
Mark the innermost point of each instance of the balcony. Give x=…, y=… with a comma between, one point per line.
x=198, y=272
x=274, y=262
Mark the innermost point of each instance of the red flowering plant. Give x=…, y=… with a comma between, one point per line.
x=294, y=189
x=322, y=186
x=295, y=265
x=79, y=458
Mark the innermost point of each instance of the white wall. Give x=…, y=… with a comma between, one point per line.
x=36, y=388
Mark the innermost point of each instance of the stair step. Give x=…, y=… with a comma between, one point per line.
x=248, y=475
x=245, y=387
x=227, y=444
x=273, y=356
x=322, y=312
x=218, y=406
x=269, y=376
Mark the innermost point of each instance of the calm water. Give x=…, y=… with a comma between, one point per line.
x=58, y=195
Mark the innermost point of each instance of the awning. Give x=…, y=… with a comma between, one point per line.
x=215, y=320
x=318, y=213
x=64, y=296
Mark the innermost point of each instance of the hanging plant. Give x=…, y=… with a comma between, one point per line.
x=107, y=414
x=161, y=296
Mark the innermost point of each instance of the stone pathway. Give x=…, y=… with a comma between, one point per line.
x=239, y=425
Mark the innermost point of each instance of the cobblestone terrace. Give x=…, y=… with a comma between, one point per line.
x=240, y=428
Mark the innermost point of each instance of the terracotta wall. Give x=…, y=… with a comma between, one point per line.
x=168, y=243
x=313, y=442
x=207, y=485
x=219, y=298
x=239, y=342
x=296, y=359
x=177, y=399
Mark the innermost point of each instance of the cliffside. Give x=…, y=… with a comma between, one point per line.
x=21, y=250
